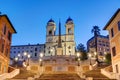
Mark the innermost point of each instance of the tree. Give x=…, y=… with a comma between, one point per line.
x=108, y=58
x=96, y=32
x=82, y=50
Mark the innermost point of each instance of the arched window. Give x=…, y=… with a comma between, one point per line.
x=69, y=31
x=50, y=32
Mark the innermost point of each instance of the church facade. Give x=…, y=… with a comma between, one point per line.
x=67, y=39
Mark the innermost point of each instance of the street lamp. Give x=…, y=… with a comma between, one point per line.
x=19, y=56
x=78, y=54
x=78, y=58
x=104, y=58
x=40, y=62
x=78, y=61
x=28, y=56
x=41, y=56
x=90, y=58
x=16, y=60
x=25, y=53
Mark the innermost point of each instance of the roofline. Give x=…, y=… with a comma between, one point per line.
x=9, y=22
x=111, y=19
x=27, y=45
x=99, y=36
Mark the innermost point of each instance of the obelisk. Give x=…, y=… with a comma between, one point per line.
x=59, y=48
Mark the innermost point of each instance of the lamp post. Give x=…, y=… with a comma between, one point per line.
x=78, y=61
x=25, y=55
x=41, y=56
x=28, y=56
x=16, y=60
x=40, y=62
x=18, y=56
x=90, y=58
x=78, y=58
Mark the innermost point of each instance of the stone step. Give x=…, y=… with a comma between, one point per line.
x=59, y=77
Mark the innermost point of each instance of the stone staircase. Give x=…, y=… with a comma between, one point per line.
x=96, y=74
x=63, y=76
x=24, y=74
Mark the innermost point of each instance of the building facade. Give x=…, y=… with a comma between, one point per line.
x=33, y=50
x=6, y=31
x=58, y=53
x=113, y=27
x=67, y=39
x=103, y=46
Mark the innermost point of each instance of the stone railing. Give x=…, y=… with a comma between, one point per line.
x=9, y=75
x=10, y=69
x=108, y=72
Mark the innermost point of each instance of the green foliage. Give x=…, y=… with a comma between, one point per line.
x=81, y=49
x=108, y=58
x=95, y=30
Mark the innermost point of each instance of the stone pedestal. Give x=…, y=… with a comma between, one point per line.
x=59, y=51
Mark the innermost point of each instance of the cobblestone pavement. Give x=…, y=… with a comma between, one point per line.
x=63, y=76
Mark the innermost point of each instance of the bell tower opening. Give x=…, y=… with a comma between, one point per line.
x=50, y=32
x=70, y=31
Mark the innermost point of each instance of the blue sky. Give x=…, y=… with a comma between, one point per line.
x=29, y=17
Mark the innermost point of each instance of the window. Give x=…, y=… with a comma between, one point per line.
x=99, y=41
x=35, y=54
x=112, y=33
x=49, y=52
x=113, y=51
x=103, y=44
x=108, y=49
x=116, y=66
x=101, y=54
x=6, y=52
x=35, y=49
x=9, y=36
x=2, y=48
x=5, y=29
x=14, y=51
x=119, y=25
x=22, y=57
